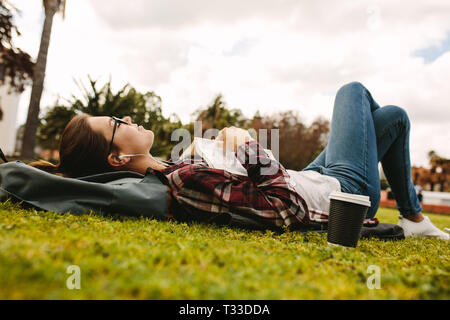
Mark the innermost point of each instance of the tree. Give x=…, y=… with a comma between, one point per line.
x=431, y=154
x=52, y=126
x=29, y=140
x=16, y=65
x=100, y=100
x=298, y=143
x=218, y=116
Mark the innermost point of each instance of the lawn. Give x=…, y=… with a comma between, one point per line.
x=149, y=259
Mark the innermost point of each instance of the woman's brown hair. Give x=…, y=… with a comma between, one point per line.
x=82, y=151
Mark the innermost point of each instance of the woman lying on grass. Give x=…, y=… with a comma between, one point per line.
x=361, y=135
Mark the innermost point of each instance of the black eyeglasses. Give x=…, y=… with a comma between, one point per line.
x=117, y=123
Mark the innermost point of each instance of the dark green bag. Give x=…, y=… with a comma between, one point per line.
x=125, y=193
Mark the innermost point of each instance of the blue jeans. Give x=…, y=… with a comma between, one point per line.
x=361, y=135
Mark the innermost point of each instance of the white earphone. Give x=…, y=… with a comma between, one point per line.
x=131, y=155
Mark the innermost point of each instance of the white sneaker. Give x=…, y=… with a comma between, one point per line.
x=424, y=228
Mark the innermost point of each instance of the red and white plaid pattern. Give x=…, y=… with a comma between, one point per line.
x=202, y=193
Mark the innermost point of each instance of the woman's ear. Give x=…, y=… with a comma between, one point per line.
x=115, y=161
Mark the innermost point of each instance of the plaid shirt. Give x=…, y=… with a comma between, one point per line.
x=198, y=192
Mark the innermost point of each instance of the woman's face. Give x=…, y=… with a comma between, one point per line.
x=129, y=139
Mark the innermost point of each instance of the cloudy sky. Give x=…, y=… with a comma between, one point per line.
x=265, y=55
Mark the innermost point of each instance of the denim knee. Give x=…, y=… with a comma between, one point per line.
x=399, y=114
x=354, y=85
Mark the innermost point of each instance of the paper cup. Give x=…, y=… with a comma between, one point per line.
x=347, y=214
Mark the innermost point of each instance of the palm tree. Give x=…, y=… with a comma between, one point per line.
x=218, y=116
x=29, y=139
x=431, y=154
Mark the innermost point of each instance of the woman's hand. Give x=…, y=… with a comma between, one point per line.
x=233, y=137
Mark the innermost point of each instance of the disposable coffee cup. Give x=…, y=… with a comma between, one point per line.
x=347, y=214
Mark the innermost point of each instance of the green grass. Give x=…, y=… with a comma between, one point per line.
x=149, y=259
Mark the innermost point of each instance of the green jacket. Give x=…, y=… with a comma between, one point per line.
x=125, y=193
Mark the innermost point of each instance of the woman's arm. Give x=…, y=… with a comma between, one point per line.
x=233, y=137
x=266, y=194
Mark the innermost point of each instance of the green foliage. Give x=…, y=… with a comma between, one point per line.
x=16, y=67
x=146, y=110
x=299, y=144
x=127, y=101
x=52, y=126
x=218, y=116
x=143, y=108
x=149, y=259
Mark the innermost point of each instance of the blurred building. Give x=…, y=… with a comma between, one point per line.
x=437, y=178
x=9, y=107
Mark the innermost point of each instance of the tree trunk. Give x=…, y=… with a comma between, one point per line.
x=31, y=126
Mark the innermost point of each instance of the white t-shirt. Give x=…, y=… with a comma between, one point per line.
x=315, y=188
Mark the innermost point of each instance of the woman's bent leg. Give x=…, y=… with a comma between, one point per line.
x=392, y=128
x=318, y=162
x=351, y=155
x=362, y=134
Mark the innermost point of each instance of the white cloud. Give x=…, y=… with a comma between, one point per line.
x=180, y=13
x=261, y=55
